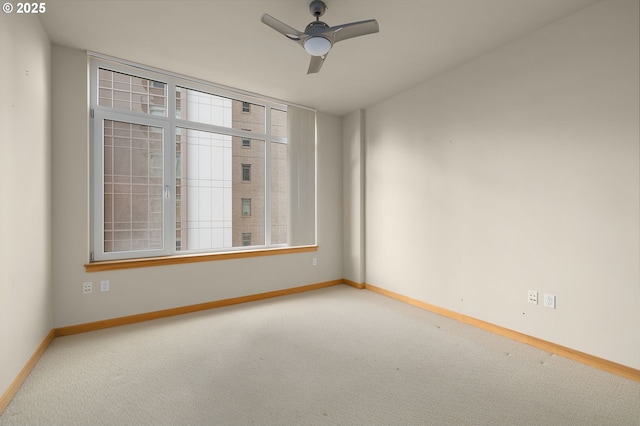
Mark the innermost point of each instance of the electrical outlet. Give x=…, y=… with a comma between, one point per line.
x=314, y=261
x=87, y=288
x=549, y=301
x=533, y=297
x=104, y=285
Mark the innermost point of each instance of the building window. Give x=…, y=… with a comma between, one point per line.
x=246, y=207
x=246, y=172
x=246, y=238
x=165, y=150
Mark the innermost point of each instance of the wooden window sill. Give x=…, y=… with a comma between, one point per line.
x=112, y=265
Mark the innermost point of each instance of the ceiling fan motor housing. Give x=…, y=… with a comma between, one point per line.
x=317, y=8
x=315, y=28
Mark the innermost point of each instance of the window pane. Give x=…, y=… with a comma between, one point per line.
x=215, y=202
x=279, y=193
x=131, y=93
x=203, y=190
x=201, y=107
x=248, y=116
x=246, y=172
x=133, y=173
x=278, y=123
x=246, y=207
x=248, y=215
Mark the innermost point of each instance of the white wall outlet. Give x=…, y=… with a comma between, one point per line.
x=104, y=285
x=533, y=297
x=314, y=261
x=549, y=301
x=87, y=288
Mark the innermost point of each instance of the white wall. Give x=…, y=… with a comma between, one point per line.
x=518, y=171
x=25, y=185
x=149, y=289
x=353, y=196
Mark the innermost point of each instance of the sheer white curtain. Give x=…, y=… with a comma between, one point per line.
x=301, y=138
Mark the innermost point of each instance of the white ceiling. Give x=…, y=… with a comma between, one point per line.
x=223, y=41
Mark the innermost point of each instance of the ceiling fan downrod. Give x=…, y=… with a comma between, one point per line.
x=317, y=8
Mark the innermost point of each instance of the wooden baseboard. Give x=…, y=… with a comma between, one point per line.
x=148, y=316
x=13, y=388
x=572, y=354
x=359, y=286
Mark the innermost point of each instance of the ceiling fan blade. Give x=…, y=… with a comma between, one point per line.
x=281, y=27
x=316, y=64
x=354, y=29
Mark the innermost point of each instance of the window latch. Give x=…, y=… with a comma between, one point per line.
x=167, y=193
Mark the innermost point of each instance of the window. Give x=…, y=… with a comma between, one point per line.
x=246, y=172
x=246, y=207
x=184, y=166
x=133, y=211
x=130, y=93
x=246, y=142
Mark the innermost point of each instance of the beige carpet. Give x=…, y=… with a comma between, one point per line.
x=332, y=356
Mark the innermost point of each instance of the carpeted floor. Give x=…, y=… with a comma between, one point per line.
x=331, y=356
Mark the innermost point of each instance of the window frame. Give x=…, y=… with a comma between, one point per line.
x=169, y=123
x=98, y=182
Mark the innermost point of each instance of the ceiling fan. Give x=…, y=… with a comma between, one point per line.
x=318, y=38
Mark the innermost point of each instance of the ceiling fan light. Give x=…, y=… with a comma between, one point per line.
x=317, y=46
